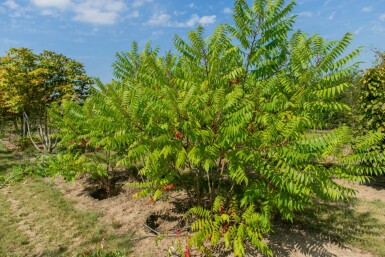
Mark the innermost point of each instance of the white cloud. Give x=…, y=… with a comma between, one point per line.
x=11, y=4
x=139, y=3
x=164, y=19
x=102, y=12
x=16, y=10
x=178, y=13
x=382, y=17
x=160, y=19
x=205, y=20
x=48, y=12
x=195, y=19
x=367, y=9
x=10, y=42
x=60, y=4
x=157, y=33
x=357, y=31
x=331, y=17
x=134, y=14
x=327, y=2
x=96, y=16
x=227, y=10
x=306, y=14
x=192, y=5
x=378, y=28
x=102, y=5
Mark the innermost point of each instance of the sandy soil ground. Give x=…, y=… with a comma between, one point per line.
x=137, y=216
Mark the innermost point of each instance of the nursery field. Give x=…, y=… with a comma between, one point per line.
x=51, y=217
x=253, y=139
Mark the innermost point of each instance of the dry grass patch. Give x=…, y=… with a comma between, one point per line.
x=12, y=240
x=8, y=159
x=49, y=225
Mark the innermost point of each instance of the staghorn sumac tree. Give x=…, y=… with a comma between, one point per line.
x=230, y=120
x=96, y=133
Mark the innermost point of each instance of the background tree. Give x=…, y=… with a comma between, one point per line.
x=30, y=83
x=17, y=85
x=372, y=96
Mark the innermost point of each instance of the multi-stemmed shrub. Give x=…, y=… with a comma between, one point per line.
x=94, y=135
x=231, y=120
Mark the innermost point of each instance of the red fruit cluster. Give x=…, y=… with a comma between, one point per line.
x=234, y=82
x=168, y=187
x=225, y=227
x=84, y=142
x=178, y=134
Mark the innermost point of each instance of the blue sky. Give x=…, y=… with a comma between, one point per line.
x=92, y=31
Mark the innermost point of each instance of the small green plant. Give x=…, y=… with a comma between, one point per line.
x=116, y=224
x=17, y=174
x=101, y=253
x=23, y=143
x=28, y=167
x=230, y=225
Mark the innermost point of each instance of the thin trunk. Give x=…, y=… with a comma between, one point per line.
x=40, y=132
x=211, y=193
x=107, y=178
x=221, y=164
x=198, y=187
x=49, y=141
x=17, y=129
x=24, y=124
x=25, y=118
x=46, y=134
x=54, y=144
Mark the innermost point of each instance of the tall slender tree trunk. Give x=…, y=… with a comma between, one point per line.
x=24, y=125
x=16, y=126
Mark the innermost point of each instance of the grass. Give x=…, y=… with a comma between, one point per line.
x=358, y=223
x=8, y=159
x=11, y=239
x=42, y=222
x=36, y=220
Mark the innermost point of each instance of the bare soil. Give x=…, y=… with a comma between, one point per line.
x=146, y=220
